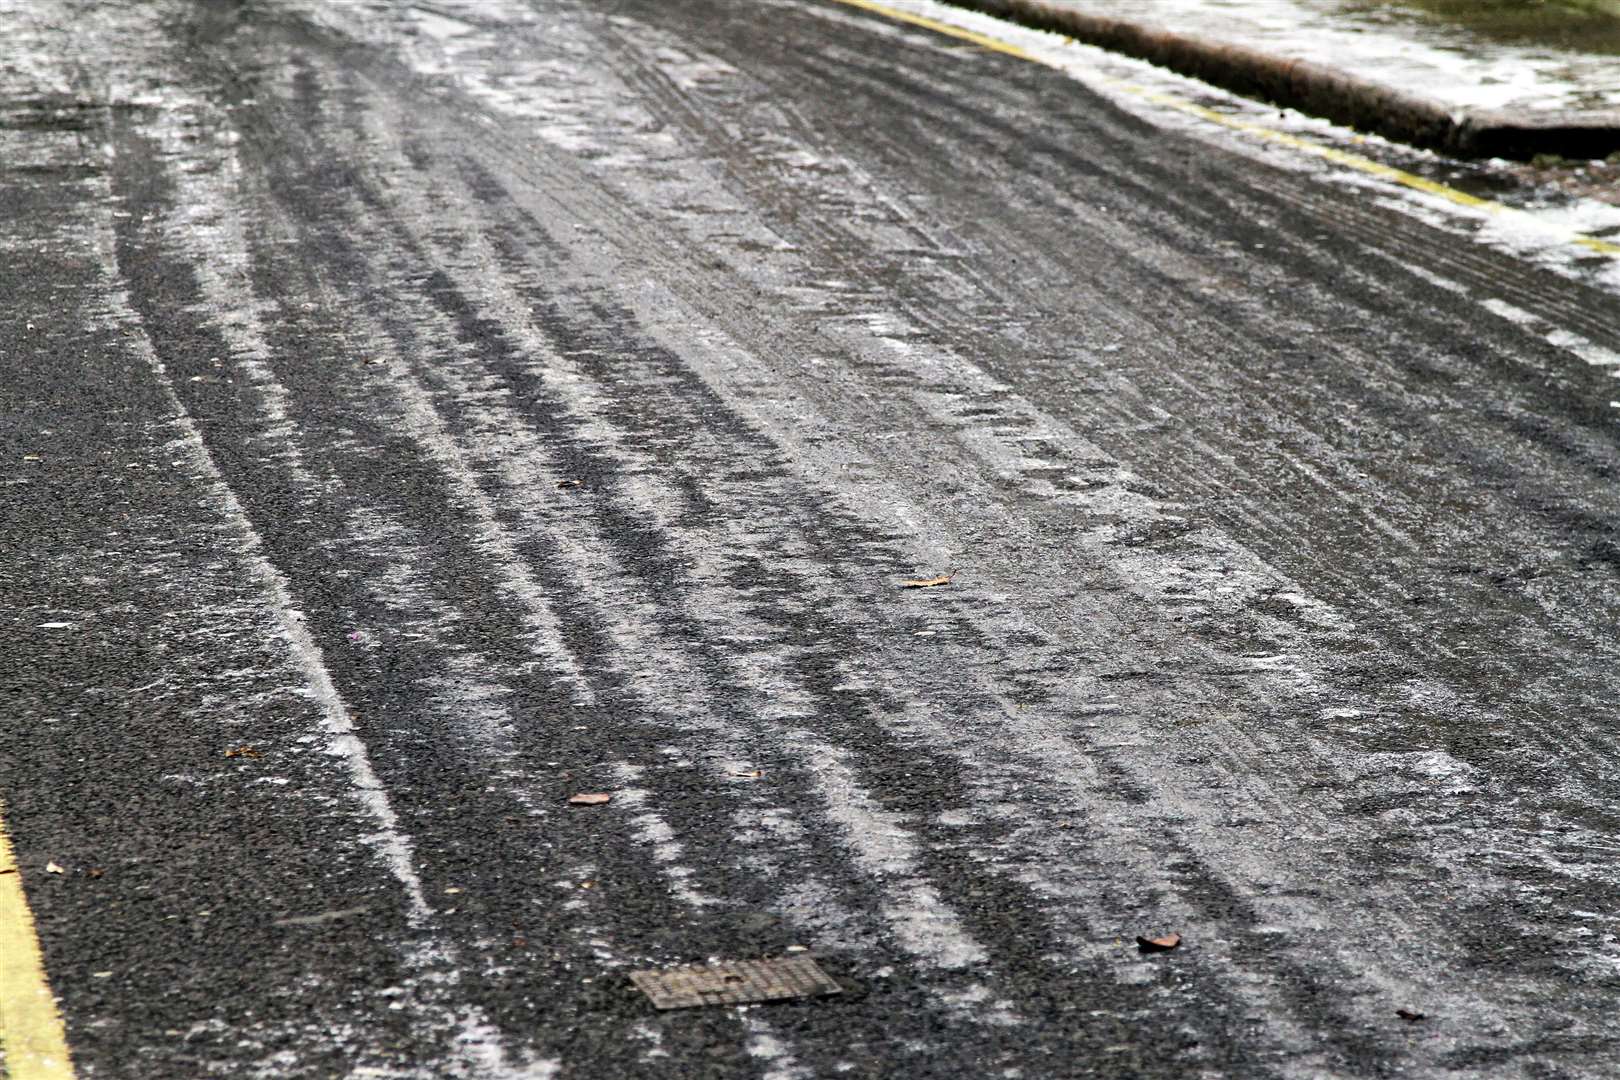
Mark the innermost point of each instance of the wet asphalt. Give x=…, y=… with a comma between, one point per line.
x=415, y=415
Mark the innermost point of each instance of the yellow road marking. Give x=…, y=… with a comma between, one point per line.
x=1354, y=161
x=961, y=33
x=1294, y=142
x=31, y=1031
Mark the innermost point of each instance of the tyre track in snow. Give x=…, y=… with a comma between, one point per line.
x=279, y=422
x=511, y=425
x=1410, y=525
x=592, y=397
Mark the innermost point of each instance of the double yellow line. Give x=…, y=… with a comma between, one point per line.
x=31, y=1032
x=1283, y=138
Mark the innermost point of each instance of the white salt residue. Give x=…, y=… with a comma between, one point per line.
x=654, y=1040
x=1583, y=347
x=206, y=224
x=481, y=1052
x=390, y=838
x=886, y=849
x=505, y=561
x=658, y=837
x=765, y=1047
x=438, y=26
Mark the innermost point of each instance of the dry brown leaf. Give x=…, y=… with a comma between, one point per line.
x=95, y=871
x=926, y=583
x=590, y=798
x=1158, y=944
x=1410, y=1016
x=243, y=751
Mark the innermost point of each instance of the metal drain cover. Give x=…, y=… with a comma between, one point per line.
x=736, y=983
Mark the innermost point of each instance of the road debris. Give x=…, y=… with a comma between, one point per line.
x=1163, y=943
x=1411, y=1016
x=321, y=918
x=54, y=868
x=593, y=798
x=735, y=983
x=926, y=583
x=243, y=751
x=748, y=774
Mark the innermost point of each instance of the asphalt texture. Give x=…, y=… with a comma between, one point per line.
x=416, y=415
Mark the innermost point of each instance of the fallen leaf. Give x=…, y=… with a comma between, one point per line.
x=748, y=774
x=569, y=483
x=596, y=798
x=1158, y=944
x=53, y=868
x=1410, y=1016
x=243, y=751
x=587, y=884
x=926, y=583
x=95, y=871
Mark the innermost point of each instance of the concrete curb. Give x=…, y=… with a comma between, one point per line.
x=1328, y=92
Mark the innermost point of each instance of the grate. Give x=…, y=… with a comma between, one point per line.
x=736, y=983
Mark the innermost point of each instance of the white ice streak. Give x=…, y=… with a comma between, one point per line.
x=393, y=844
x=479, y=1048
x=1541, y=233
x=1581, y=346
x=657, y=836
x=1199, y=811
x=915, y=909
x=526, y=466
x=766, y=1047
x=886, y=849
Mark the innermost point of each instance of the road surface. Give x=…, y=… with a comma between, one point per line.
x=416, y=415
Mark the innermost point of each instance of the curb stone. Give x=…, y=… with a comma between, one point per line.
x=1328, y=92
